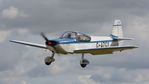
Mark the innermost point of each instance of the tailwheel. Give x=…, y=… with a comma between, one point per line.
x=84, y=62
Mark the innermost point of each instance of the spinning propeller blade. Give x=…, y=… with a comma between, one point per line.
x=47, y=41
x=43, y=35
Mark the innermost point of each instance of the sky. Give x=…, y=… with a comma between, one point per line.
x=25, y=19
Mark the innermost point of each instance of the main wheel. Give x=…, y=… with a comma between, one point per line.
x=84, y=63
x=49, y=60
x=48, y=63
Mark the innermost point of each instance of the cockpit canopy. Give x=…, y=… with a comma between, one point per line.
x=76, y=35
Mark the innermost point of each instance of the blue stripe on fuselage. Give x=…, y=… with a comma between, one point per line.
x=73, y=41
x=65, y=40
x=85, y=42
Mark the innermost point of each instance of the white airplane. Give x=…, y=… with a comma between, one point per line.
x=78, y=43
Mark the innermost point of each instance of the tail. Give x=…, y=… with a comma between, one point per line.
x=117, y=33
x=117, y=29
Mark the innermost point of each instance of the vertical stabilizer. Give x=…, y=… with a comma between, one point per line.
x=117, y=29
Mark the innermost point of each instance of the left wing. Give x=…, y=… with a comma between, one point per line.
x=108, y=50
x=29, y=44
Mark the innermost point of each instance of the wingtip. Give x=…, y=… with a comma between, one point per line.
x=13, y=41
x=10, y=40
x=136, y=47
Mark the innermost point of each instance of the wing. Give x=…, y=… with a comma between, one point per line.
x=29, y=44
x=108, y=50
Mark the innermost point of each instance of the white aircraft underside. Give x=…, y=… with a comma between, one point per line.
x=78, y=43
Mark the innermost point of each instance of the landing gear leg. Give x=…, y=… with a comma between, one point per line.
x=83, y=62
x=48, y=60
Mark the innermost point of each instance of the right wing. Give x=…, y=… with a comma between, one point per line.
x=29, y=44
x=108, y=50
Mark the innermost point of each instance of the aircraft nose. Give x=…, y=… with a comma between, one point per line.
x=51, y=43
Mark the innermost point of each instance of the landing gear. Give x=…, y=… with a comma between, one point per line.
x=83, y=62
x=48, y=60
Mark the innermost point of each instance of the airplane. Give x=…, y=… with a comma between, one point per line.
x=72, y=42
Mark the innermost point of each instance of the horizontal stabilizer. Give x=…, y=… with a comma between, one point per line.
x=117, y=38
x=125, y=39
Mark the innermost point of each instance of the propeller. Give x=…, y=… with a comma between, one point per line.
x=43, y=35
x=48, y=42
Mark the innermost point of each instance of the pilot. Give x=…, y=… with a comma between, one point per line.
x=69, y=36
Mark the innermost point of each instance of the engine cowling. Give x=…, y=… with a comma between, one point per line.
x=51, y=43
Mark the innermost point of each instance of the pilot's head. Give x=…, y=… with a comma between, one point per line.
x=69, y=36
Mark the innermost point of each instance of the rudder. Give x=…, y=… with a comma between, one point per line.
x=117, y=29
